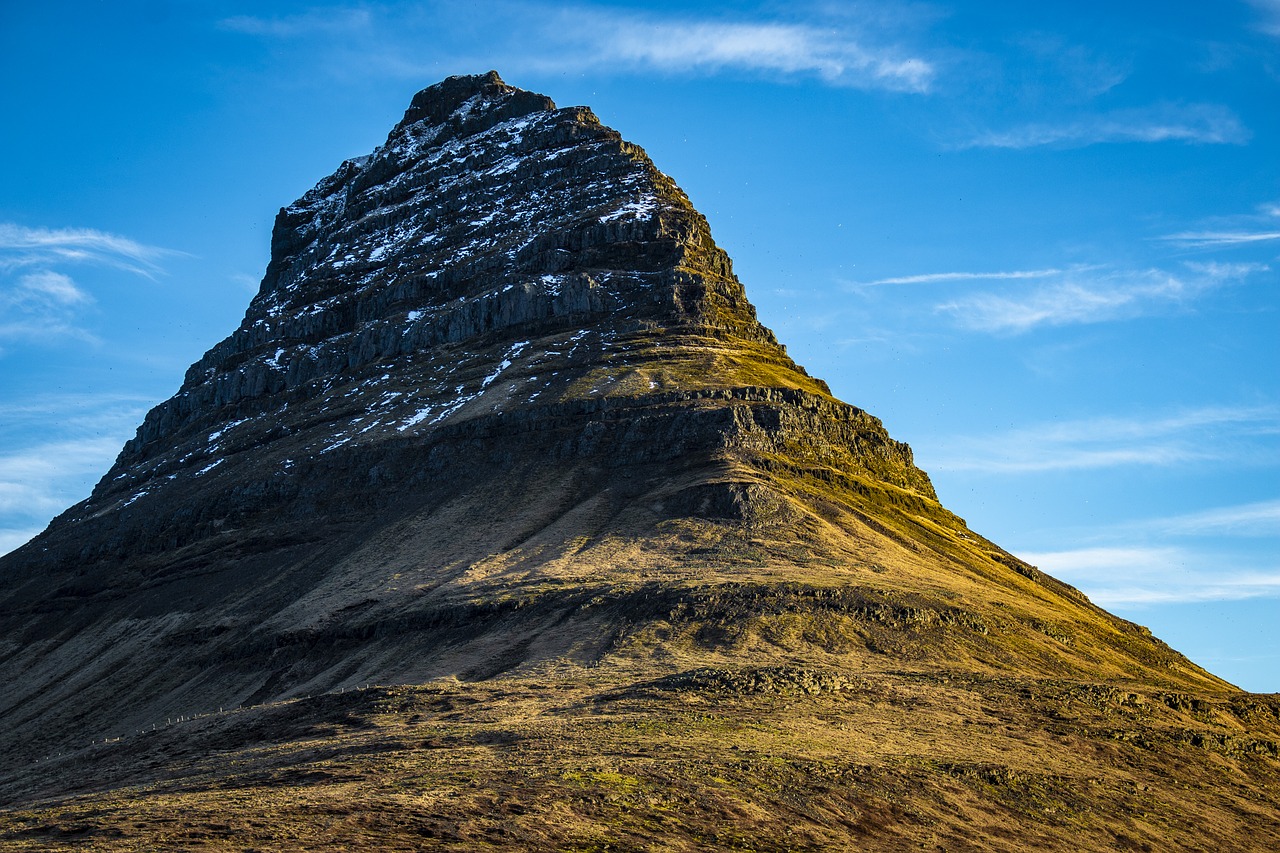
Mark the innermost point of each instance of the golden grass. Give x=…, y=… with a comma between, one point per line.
x=889, y=761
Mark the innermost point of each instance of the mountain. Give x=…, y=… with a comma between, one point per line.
x=501, y=521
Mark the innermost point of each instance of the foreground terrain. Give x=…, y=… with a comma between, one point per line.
x=773, y=758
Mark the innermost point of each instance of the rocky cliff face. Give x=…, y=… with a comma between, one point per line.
x=497, y=260
x=501, y=405
x=489, y=220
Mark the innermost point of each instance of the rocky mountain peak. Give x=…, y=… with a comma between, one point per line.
x=484, y=99
x=501, y=406
x=491, y=235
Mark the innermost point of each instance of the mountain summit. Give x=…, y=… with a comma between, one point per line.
x=501, y=432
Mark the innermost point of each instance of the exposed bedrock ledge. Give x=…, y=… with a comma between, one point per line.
x=665, y=432
x=276, y=364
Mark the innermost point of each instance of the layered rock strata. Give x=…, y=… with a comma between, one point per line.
x=500, y=405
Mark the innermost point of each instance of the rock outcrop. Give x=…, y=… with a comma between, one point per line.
x=501, y=408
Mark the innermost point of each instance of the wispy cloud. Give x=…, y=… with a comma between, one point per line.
x=692, y=45
x=1269, y=13
x=13, y=538
x=1215, y=554
x=1208, y=239
x=1204, y=124
x=57, y=446
x=1260, y=227
x=1053, y=66
x=42, y=305
x=25, y=247
x=1091, y=295
x=40, y=302
x=1206, y=434
x=941, y=277
x=74, y=414
x=27, y=476
x=332, y=21
x=45, y=289
x=1117, y=576
x=38, y=481
x=1238, y=523
x=1261, y=518
x=846, y=49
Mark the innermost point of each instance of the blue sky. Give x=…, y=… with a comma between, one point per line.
x=1040, y=241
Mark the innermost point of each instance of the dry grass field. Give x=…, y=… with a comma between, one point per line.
x=774, y=758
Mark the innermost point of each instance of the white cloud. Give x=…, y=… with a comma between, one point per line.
x=1209, y=239
x=1134, y=564
x=1116, y=576
x=21, y=247
x=41, y=303
x=1211, y=433
x=939, y=277
x=44, y=330
x=91, y=413
x=34, y=479
x=842, y=48
x=1205, y=124
x=838, y=57
x=1100, y=563
x=1253, y=519
x=323, y=21
x=12, y=538
x=1243, y=230
x=246, y=282
x=1089, y=295
x=46, y=289
x=56, y=448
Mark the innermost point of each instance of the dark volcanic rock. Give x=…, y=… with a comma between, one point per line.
x=496, y=258
x=501, y=402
